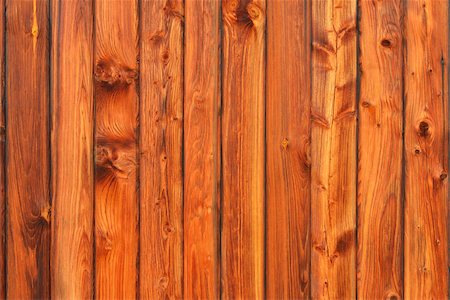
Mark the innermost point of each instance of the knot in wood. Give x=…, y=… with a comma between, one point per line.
x=105, y=243
x=232, y=5
x=255, y=13
x=345, y=242
x=244, y=13
x=392, y=295
x=114, y=159
x=165, y=57
x=285, y=143
x=386, y=43
x=424, y=129
x=365, y=104
x=112, y=75
x=163, y=282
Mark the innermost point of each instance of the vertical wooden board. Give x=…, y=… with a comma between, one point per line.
x=72, y=145
x=116, y=104
x=201, y=156
x=161, y=121
x=28, y=168
x=380, y=151
x=2, y=156
x=426, y=149
x=243, y=149
x=333, y=150
x=288, y=142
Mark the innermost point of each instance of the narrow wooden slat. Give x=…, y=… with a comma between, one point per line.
x=380, y=151
x=243, y=149
x=2, y=156
x=426, y=149
x=333, y=150
x=28, y=167
x=72, y=146
x=116, y=103
x=202, y=97
x=288, y=140
x=161, y=121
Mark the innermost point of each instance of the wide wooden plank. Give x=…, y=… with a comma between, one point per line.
x=72, y=145
x=288, y=140
x=243, y=149
x=426, y=149
x=116, y=103
x=28, y=165
x=2, y=157
x=333, y=150
x=161, y=142
x=380, y=251
x=201, y=152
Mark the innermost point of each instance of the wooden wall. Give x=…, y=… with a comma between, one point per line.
x=235, y=149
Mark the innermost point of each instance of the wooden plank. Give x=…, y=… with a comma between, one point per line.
x=27, y=166
x=72, y=145
x=426, y=149
x=201, y=155
x=380, y=151
x=333, y=150
x=161, y=142
x=288, y=140
x=243, y=149
x=116, y=103
x=2, y=157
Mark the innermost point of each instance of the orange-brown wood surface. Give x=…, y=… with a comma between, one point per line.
x=224, y=149
x=27, y=150
x=426, y=150
x=333, y=150
x=201, y=155
x=72, y=160
x=380, y=151
x=2, y=157
x=161, y=121
x=288, y=141
x=116, y=161
x=243, y=150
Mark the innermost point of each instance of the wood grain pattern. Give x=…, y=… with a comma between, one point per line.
x=161, y=144
x=116, y=103
x=197, y=149
x=72, y=145
x=243, y=150
x=380, y=151
x=288, y=141
x=426, y=149
x=201, y=155
x=333, y=150
x=28, y=166
x=2, y=156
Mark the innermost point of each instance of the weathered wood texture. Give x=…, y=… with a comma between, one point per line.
x=426, y=149
x=72, y=144
x=27, y=147
x=161, y=138
x=201, y=155
x=333, y=150
x=243, y=149
x=235, y=149
x=288, y=141
x=116, y=123
x=380, y=254
x=2, y=156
